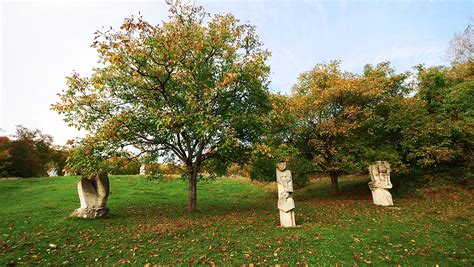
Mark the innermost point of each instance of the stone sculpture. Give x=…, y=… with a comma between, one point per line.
x=52, y=172
x=93, y=195
x=143, y=169
x=380, y=183
x=286, y=204
x=67, y=171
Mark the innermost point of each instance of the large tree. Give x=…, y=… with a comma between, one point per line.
x=434, y=128
x=191, y=89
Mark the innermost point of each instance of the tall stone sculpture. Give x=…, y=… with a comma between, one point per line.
x=143, y=169
x=286, y=204
x=93, y=194
x=380, y=183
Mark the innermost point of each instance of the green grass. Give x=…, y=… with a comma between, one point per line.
x=236, y=222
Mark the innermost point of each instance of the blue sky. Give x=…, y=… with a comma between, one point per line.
x=303, y=33
x=42, y=42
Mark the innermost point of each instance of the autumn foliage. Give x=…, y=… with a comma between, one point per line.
x=336, y=122
x=191, y=90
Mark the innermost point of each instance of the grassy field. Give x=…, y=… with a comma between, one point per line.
x=236, y=222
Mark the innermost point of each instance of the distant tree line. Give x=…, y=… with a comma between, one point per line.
x=29, y=153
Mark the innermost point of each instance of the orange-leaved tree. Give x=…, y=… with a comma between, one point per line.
x=335, y=112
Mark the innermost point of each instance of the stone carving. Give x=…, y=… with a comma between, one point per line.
x=380, y=183
x=93, y=195
x=67, y=171
x=286, y=204
x=143, y=169
x=52, y=172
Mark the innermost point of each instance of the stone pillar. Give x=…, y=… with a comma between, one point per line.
x=380, y=183
x=143, y=169
x=286, y=204
x=93, y=194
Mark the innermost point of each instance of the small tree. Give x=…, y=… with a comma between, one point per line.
x=30, y=151
x=334, y=111
x=280, y=141
x=5, y=160
x=191, y=89
x=461, y=47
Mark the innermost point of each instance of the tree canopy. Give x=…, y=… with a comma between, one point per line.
x=334, y=110
x=192, y=89
x=336, y=122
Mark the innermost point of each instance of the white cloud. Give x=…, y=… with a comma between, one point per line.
x=430, y=53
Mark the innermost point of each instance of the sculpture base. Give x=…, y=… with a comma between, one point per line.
x=90, y=213
x=382, y=197
x=287, y=219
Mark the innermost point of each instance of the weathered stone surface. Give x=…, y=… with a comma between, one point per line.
x=52, y=172
x=91, y=213
x=143, y=169
x=380, y=183
x=286, y=204
x=93, y=194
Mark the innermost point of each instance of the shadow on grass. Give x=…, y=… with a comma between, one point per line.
x=351, y=188
x=207, y=209
x=235, y=201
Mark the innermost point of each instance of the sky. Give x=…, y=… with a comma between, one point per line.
x=42, y=42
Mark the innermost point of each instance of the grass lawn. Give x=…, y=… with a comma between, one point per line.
x=236, y=222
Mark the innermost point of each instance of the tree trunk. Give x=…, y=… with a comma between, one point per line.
x=334, y=183
x=192, y=191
